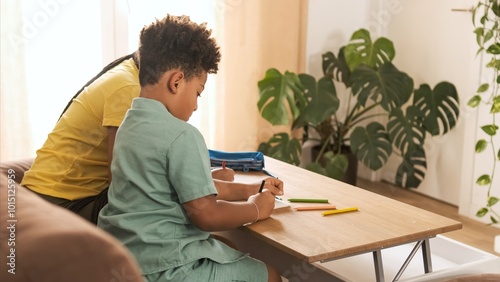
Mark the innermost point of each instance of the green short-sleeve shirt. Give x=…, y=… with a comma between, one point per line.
x=160, y=162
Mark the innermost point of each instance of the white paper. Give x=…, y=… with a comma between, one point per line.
x=278, y=204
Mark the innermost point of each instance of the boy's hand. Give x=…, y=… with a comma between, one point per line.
x=274, y=185
x=264, y=202
x=225, y=174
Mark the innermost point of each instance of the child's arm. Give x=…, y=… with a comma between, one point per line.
x=210, y=214
x=111, y=143
x=237, y=191
x=223, y=173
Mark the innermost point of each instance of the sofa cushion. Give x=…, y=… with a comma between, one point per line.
x=43, y=242
x=15, y=169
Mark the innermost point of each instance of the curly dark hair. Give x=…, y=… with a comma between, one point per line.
x=176, y=42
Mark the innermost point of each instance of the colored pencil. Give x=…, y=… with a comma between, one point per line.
x=339, y=211
x=298, y=200
x=315, y=208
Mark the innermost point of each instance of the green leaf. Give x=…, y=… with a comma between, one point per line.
x=440, y=107
x=386, y=85
x=371, y=145
x=474, y=101
x=495, y=8
x=405, y=131
x=474, y=10
x=487, y=36
x=493, y=220
x=494, y=49
x=336, y=165
x=281, y=147
x=479, y=35
x=315, y=167
x=478, y=31
x=483, y=88
x=481, y=145
x=492, y=201
x=479, y=51
x=361, y=51
x=412, y=170
x=494, y=63
x=323, y=101
x=264, y=147
x=276, y=91
x=482, y=212
x=337, y=67
x=498, y=155
x=484, y=180
x=495, y=107
x=490, y=129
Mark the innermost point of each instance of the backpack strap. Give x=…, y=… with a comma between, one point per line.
x=103, y=71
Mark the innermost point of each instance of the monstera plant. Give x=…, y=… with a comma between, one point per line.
x=362, y=103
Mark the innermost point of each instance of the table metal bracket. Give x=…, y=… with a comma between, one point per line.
x=426, y=254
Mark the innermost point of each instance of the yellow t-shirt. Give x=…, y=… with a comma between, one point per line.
x=73, y=162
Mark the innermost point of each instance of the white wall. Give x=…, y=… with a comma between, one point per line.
x=427, y=51
x=330, y=25
x=432, y=44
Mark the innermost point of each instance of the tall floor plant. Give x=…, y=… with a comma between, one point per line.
x=486, y=19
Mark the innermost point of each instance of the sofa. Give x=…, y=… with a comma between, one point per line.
x=42, y=242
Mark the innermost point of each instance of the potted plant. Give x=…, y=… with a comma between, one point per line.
x=486, y=20
x=338, y=110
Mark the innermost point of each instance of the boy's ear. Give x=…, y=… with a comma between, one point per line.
x=174, y=81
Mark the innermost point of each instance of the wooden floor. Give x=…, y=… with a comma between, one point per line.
x=473, y=233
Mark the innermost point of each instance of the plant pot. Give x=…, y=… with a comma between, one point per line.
x=351, y=174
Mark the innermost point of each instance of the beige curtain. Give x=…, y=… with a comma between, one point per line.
x=254, y=35
x=15, y=137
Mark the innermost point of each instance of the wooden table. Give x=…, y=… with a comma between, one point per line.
x=380, y=223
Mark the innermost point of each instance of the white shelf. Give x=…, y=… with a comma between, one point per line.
x=448, y=257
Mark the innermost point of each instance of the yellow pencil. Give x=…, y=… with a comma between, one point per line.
x=339, y=211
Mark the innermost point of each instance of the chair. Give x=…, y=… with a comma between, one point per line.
x=43, y=242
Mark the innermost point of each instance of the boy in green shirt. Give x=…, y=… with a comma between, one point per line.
x=162, y=200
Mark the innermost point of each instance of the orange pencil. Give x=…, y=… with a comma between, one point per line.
x=315, y=208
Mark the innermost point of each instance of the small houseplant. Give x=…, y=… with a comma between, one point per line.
x=337, y=111
x=486, y=19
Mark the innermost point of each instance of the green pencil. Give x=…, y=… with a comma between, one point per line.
x=297, y=200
